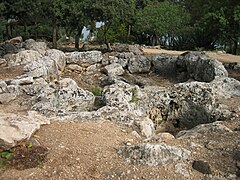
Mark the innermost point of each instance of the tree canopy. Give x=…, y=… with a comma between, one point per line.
x=174, y=24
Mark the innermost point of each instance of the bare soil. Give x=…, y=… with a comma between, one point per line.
x=215, y=55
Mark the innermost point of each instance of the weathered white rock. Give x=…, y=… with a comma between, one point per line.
x=75, y=67
x=16, y=128
x=181, y=168
x=203, y=129
x=160, y=137
x=3, y=62
x=120, y=94
x=44, y=67
x=64, y=97
x=22, y=57
x=153, y=155
x=3, y=87
x=114, y=69
x=139, y=64
x=31, y=44
x=22, y=81
x=145, y=127
x=225, y=87
x=89, y=57
x=8, y=92
x=58, y=57
x=7, y=97
x=121, y=61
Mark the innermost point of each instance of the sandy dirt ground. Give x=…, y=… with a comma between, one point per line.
x=216, y=55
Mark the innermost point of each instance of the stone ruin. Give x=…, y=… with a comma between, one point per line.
x=147, y=108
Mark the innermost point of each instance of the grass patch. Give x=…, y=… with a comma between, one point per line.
x=97, y=91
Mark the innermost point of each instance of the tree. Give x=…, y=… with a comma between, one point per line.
x=112, y=12
x=161, y=19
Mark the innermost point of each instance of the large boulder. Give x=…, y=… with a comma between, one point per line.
x=8, y=92
x=165, y=65
x=135, y=49
x=153, y=154
x=200, y=67
x=139, y=64
x=16, y=128
x=44, y=67
x=7, y=48
x=225, y=87
x=66, y=96
x=22, y=58
x=87, y=58
x=58, y=57
x=120, y=94
x=114, y=69
x=31, y=44
x=184, y=105
x=203, y=129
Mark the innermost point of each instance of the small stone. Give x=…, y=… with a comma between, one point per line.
x=128, y=144
x=134, y=133
x=202, y=167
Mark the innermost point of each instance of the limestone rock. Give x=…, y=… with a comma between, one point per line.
x=43, y=68
x=145, y=127
x=139, y=64
x=31, y=44
x=165, y=65
x=22, y=58
x=3, y=62
x=7, y=48
x=16, y=40
x=7, y=97
x=89, y=57
x=114, y=69
x=16, y=128
x=200, y=67
x=153, y=155
x=22, y=81
x=66, y=96
x=202, y=129
x=120, y=94
x=75, y=67
x=225, y=87
x=58, y=57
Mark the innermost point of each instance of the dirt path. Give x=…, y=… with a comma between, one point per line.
x=87, y=150
x=219, y=56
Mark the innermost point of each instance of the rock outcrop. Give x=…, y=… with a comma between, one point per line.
x=16, y=128
x=22, y=57
x=65, y=96
x=153, y=154
x=84, y=58
x=139, y=64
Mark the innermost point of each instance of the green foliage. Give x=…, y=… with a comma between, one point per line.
x=134, y=98
x=7, y=154
x=2, y=163
x=97, y=91
x=161, y=19
x=116, y=33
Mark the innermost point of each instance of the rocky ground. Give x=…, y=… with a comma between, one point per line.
x=145, y=125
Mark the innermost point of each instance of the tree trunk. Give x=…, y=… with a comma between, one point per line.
x=77, y=37
x=129, y=32
x=235, y=46
x=54, y=33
